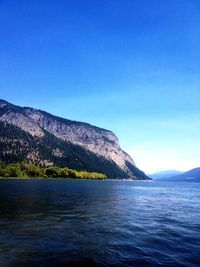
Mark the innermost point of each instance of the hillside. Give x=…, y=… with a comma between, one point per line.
x=164, y=175
x=191, y=175
x=45, y=139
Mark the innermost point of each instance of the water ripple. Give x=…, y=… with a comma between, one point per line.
x=99, y=223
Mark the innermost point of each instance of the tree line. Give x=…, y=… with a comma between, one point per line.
x=25, y=169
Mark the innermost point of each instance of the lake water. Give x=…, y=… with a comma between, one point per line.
x=99, y=223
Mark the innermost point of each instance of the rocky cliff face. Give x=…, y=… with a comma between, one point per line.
x=101, y=142
x=37, y=123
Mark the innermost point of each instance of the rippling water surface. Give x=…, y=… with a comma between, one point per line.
x=99, y=223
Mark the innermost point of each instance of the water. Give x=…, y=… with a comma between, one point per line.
x=99, y=223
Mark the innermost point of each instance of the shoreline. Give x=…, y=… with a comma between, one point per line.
x=74, y=179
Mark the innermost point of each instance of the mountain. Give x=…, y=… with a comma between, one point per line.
x=191, y=175
x=163, y=175
x=42, y=138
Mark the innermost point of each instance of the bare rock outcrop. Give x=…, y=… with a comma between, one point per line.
x=102, y=143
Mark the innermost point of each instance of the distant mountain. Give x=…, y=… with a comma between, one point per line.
x=163, y=175
x=42, y=138
x=192, y=175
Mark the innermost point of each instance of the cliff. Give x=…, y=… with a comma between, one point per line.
x=42, y=138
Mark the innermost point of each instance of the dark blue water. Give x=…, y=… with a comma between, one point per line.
x=99, y=223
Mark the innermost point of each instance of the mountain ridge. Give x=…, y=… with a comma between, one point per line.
x=77, y=138
x=162, y=175
x=177, y=176
x=191, y=175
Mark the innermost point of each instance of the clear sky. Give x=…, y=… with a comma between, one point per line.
x=131, y=66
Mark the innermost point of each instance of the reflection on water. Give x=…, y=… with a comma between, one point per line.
x=99, y=223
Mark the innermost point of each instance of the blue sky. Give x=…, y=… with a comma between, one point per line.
x=128, y=66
